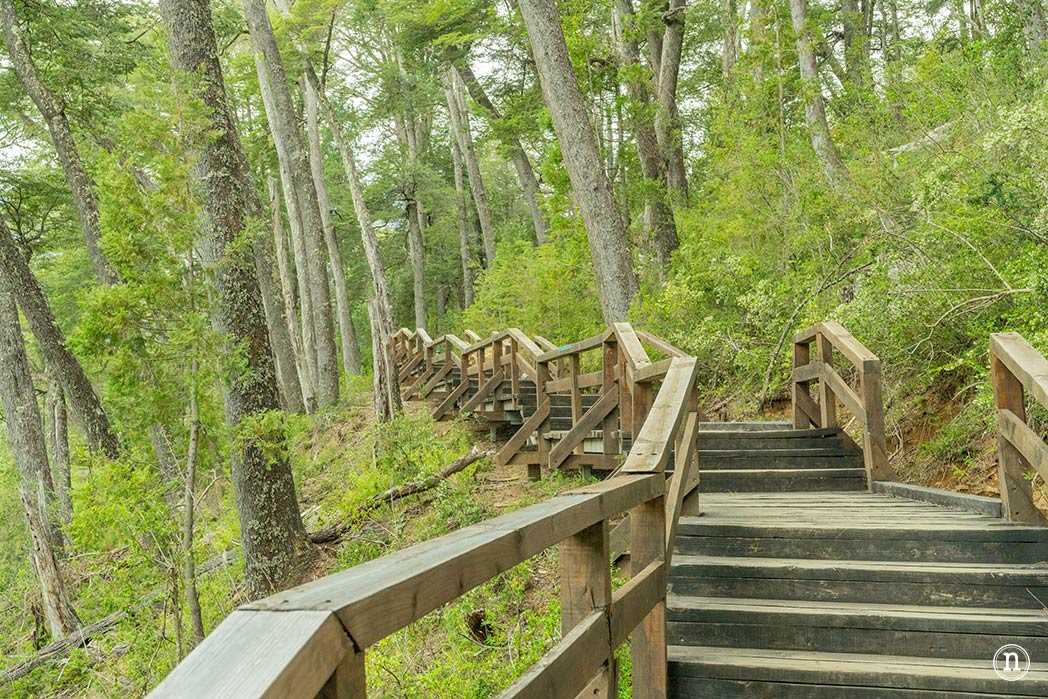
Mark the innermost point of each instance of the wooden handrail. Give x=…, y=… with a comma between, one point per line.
x=865, y=404
x=1017, y=370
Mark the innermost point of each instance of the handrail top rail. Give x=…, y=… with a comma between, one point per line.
x=509, y=333
x=1025, y=363
x=856, y=352
x=377, y=598
x=651, y=448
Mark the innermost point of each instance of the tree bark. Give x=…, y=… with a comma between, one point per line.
x=276, y=550
x=58, y=443
x=29, y=450
x=276, y=323
x=729, y=40
x=1034, y=25
x=460, y=127
x=188, y=512
x=667, y=118
x=287, y=287
x=380, y=308
x=343, y=307
x=833, y=166
x=660, y=220
x=84, y=402
x=461, y=204
x=417, y=253
x=291, y=150
x=609, y=244
x=521, y=163
x=80, y=184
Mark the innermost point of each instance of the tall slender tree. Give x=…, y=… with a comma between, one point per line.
x=591, y=190
x=277, y=552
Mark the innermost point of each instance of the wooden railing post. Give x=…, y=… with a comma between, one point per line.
x=585, y=585
x=874, y=441
x=827, y=398
x=514, y=370
x=648, y=647
x=541, y=379
x=608, y=384
x=1016, y=490
x=349, y=680
x=801, y=357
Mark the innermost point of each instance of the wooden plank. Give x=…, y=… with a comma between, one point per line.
x=611, y=382
x=874, y=441
x=598, y=462
x=624, y=492
x=524, y=342
x=1025, y=363
x=652, y=446
x=485, y=390
x=377, y=598
x=261, y=655
x=648, y=645
x=802, y=414
x=448, y=403
x=471, y=336
x=520, y=437
x=1025, y=440
x=587, y=380
x=581, y=346
x=582, y=428
x=631, y=348
x=807, y=373
x=842, y=391
x=635, y=600
x=653, y=371
x=544, y=344
x=685, y=463
x=437, y=378
x=585, y=574
x=410, y=367
x=661, y=345
x=564, y=671
x=805, y=410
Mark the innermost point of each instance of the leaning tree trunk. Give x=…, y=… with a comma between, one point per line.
x=667, y=119
x=417, y=254
x=462, y=209
x=276, y=323
x=277, y=552
x=291, y=150
x=460, y=127
x=521, y=163
x=79, y=181
x=663, y=227
x=84, y=402
x=609, y=244
x=380, y=308
x=29, y=450
x=343, y=307
x=287, y=287
x=814, y=106
x=58, y=446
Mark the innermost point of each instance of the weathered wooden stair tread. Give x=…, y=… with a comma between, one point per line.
x=845, y=673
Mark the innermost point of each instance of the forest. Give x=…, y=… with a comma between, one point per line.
x=214, y=216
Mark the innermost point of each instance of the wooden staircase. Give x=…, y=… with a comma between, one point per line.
x=788, y=586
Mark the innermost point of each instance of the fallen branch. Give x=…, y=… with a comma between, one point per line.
x=336, y=532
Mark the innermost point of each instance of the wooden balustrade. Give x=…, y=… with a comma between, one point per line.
x=1018, y=371
x=865, y=402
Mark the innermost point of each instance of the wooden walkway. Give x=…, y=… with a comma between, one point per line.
x=765, y=560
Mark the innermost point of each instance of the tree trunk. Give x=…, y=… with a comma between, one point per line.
x=814, y=106
x=521, y=163
x=276, y=323
x=460, y=127
x=667, y=118
x=609, y=244
x=188, y=511
x=729, y=40
x=29, y=450
x=380, y=308
x=660, y=219
x=343, y=307
x=461, y=207
x=417, y=253
x=84, y=402
x=276, y=550
x=287, y=287
x=79, y=181
x=856, y=43
x=1034, y=25
x=291, y=150
x=58, y=443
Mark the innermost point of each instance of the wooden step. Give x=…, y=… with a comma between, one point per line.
x=753, y=480
x=778, y=460
x=848, y=627
x=761, y=426
x=758, y=673
x=876, y=539
x=922, y=583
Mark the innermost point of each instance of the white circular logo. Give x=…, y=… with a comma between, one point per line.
x=1011, y=662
